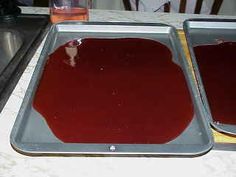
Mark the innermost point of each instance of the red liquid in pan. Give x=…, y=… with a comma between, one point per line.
x=217, y=65
x=119, y=91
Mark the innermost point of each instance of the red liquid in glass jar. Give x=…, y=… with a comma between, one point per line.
x=62, y=14
x=217, y=65
x=119, y=91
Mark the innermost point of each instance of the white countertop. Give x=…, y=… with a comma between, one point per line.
x=12, y=164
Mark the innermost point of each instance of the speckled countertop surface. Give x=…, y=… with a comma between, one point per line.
x=12, y=164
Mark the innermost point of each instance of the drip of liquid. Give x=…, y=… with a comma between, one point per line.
x=59, y=15
x=124, y=90
x=217, y=65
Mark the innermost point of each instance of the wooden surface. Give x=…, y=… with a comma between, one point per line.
x=218, y=137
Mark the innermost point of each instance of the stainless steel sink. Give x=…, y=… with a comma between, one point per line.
x=11, y=41
x=19, y=38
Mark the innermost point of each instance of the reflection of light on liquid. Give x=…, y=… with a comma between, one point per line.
x=79, y=41
x=72, y=51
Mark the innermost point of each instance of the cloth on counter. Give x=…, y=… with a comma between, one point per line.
x=25, y=2
x=158, y=6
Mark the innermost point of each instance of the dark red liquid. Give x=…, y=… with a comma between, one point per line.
x=120, y=91
x=217, y=65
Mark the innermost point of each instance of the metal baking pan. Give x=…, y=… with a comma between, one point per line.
x=19, y=38
x=31, y=135
x=208, y=31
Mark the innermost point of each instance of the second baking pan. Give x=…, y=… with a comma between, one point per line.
x=218, y=38
x=31, y=133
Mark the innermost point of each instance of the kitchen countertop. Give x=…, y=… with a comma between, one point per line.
x=214, y=163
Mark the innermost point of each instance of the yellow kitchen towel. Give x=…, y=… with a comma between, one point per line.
x=218, y=137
